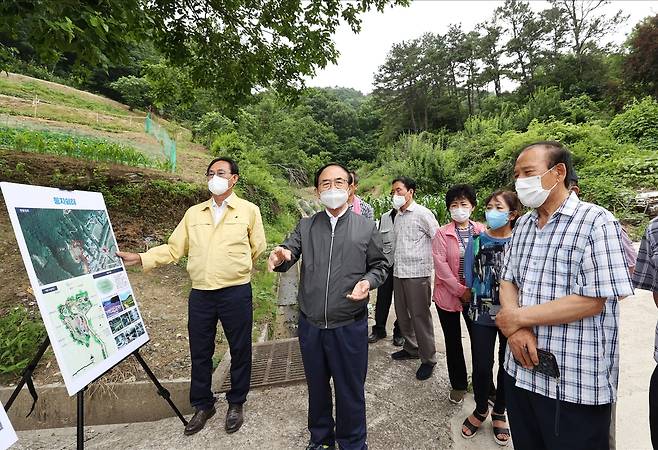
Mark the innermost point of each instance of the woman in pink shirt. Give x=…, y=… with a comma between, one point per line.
x=451, y=295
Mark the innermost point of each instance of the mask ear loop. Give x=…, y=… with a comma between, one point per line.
x=556, y=183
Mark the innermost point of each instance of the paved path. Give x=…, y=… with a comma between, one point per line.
x=403, y=413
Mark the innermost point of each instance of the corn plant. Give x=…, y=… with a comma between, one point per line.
x=83, y=147
x=434, y=203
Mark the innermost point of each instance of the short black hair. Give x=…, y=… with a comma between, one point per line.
x=355, y=178
x=321, y=169
x=556, y=153
x=461, y=191
x=409, y=183
x=511, y=200
x=234, y=166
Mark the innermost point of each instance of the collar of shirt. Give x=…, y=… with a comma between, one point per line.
x=219, y=210
x=334, y=220
x=567, y=208
x=409, y=208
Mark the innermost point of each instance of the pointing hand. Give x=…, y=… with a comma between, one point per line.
x=277, y=256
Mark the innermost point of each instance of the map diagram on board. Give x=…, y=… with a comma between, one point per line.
x=73, y=314
x=67, y=243
x=82, y=288
x=81, y=326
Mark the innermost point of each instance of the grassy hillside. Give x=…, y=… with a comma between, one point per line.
x=42, y=110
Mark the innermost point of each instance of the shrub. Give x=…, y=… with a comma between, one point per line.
x=638, y=124
x=205, y=130
x=135, y=91
x=580, y=109
x=544, y=105
x=229, y=144
x=20, y=336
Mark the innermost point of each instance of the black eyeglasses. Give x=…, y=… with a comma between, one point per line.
x=219, y=173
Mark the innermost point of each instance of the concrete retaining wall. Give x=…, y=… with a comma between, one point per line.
x=114, y=403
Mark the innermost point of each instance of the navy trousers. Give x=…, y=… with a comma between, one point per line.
x=532, y=422
x=342, y=354
x=232, y=307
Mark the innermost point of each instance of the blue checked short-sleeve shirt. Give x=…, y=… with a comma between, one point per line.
x=646, y=269
x=578, y=251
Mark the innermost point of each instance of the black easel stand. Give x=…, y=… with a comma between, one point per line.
x=27, y=377
x=162, y=391
x=80, y=396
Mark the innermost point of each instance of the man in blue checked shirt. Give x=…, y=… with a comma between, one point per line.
x=563, y=273
x=646, y=277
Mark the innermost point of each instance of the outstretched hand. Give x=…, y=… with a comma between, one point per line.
x=360, y=291
x=130, y=259
x=277, y=257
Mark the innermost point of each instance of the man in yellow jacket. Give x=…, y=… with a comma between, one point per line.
x=222, y=237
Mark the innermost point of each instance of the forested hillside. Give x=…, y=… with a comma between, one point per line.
x=455, y=105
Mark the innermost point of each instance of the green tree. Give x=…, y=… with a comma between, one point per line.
x=585, y=28
x=84, y=33
x=134, y=91
x=641, y=62
x=231, y=47
x=525, y=33
x=234, y=47
x=490, y=52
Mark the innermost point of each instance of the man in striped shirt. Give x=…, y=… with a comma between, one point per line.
x=414, y=227
x=563, y=274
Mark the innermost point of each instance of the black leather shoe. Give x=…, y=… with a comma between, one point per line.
x=403, y=354
x=424, y=371
x=398, y=341
x=234, y=418
x=374, y=337
x=198, y=421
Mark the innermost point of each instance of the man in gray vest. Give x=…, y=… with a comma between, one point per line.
x=385, y=291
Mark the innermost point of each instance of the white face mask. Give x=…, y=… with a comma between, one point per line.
x=218, y=185
x=460, y=215
x=399, y=201
x=531, y=192
x=333, y=198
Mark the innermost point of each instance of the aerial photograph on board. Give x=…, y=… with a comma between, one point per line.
x=67, y=243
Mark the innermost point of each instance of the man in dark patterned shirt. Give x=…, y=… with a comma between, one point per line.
x=646, y=277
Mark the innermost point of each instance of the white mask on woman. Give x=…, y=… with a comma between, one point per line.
x=460, y=215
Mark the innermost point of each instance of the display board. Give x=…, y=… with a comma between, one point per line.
x=81, y=286
x=7, y=433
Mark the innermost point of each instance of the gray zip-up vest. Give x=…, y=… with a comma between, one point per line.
x=388, y=235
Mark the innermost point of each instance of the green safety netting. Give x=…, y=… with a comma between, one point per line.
x=168, y=144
